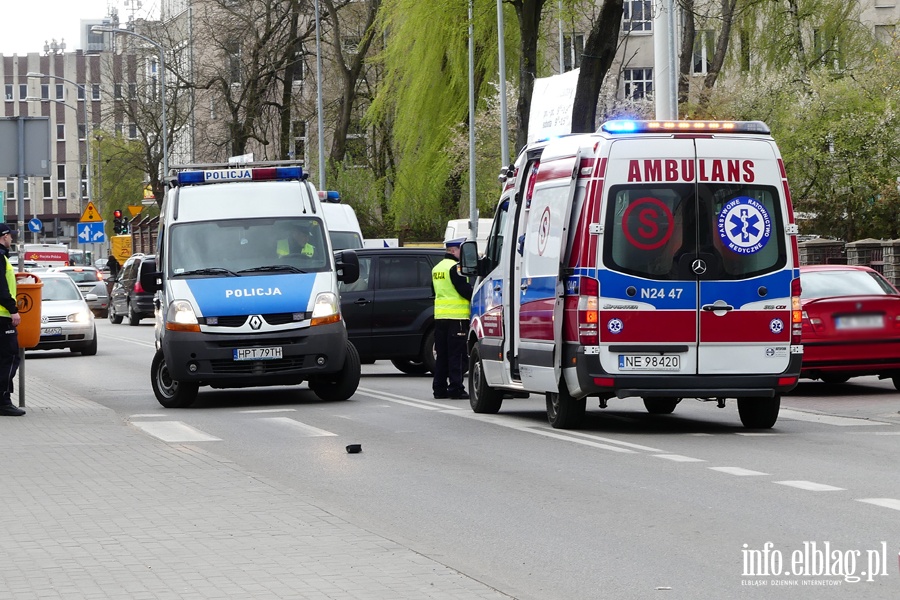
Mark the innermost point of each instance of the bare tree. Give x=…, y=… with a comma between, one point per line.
x=599, y=52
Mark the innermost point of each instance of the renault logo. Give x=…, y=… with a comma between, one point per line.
x=255, y=322
x=698, y=267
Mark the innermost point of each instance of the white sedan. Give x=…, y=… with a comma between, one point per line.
x=66, y=320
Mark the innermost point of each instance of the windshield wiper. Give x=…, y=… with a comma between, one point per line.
x=209, y=271
x=269, y=268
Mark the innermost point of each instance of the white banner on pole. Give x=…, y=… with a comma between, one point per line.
x=551, y=106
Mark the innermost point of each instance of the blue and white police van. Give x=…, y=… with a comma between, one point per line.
x=650, y=259
x=247, y=286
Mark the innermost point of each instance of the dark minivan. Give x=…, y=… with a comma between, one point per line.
x=389, y=310
x=127, y=298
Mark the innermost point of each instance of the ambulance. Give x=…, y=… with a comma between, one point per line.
x=247, y=286
x=652, y=260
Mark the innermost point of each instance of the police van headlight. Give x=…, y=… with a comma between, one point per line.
x=180, y=317
x=326, y=310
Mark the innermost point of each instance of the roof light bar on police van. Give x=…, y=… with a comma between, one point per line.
x=634, y=126
x=240, y=174
x=330, y=196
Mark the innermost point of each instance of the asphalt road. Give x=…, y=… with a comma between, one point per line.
x=630, y=506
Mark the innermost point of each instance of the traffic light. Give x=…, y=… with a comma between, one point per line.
x=120, y=224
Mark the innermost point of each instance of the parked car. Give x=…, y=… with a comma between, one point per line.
x=90, y=281
x=66, y=319
x=128, y=297
x=851, y=323
x=389, y=310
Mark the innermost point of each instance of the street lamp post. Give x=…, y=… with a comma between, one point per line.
x=87, y=137
x=162, y=85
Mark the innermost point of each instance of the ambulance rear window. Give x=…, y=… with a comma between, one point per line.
x=658, y=230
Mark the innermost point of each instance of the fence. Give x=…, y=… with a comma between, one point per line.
x=881, y=255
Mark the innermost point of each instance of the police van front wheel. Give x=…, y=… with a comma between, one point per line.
x=759, y=413
x=341, y=385
x=170, y=393
x=564, y=411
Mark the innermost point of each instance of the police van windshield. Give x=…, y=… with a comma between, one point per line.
x=657, y=231
x=248, y=246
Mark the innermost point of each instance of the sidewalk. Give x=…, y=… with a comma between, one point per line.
x=94, y=508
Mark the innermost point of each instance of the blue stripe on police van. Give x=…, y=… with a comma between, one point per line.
x=266, y=294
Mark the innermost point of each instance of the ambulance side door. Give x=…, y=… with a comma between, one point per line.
x=539, y=296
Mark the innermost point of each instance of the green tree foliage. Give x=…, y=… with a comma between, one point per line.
x=425, y=96
x=119, y=170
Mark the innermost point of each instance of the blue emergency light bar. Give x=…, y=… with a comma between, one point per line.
x=239, y=174
x=329, y=196
x=633, y=126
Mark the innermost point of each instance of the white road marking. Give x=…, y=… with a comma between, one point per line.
x=875, y=432
x=797, y=415
x=810, y=486
x=406, y=400
x=611, y=441
x=174, y=431
x=148, y=416
x=268, y=410
x=307, y=429
x=739, y=471
x=885, y=502
x=748, y=434
x=107, y=336
x=678, y=458
x=524, y=426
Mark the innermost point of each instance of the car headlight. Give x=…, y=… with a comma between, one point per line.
x=82, y=316
x=180, y=317
x=326, y=309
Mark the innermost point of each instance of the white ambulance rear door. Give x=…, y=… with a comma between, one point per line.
x=745, y=290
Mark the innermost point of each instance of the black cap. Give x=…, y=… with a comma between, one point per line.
x=4, y=229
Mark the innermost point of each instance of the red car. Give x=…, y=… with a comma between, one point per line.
x=851, y=323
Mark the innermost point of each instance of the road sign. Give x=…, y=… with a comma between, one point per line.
x=90, y=215
x=91, y=233
x=35, y=225
x=135, y=210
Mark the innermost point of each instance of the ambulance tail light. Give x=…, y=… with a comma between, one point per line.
x=796, y=312
x=589, y=312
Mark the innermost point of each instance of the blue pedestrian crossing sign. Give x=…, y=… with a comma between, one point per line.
x=91, y=233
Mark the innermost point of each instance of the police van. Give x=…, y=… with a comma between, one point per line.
x=655, y=260
x=247, y=283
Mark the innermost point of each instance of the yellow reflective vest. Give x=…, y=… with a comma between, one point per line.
x=448, y=304
x=11, y=283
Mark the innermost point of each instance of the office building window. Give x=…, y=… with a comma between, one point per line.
x=60, y=181
x=298, y=152
x=704, y=48
x=132, y=91
x=60, y=92
x=81, y=131
x=80, y=88
x=638, y=83
x=117, y=91
x=45, y=91
x=9, y=92
x=60, y=132
x=573, y=48
x=23, y=91
x=95, y=91
x=132, y=131
x=10, y=189
x=84, y=182
x=637, y=16
x=48, y=187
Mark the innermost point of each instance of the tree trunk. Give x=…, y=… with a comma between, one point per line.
x=599, y=52
x=529, y=15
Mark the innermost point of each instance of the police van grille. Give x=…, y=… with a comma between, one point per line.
x=256, y=367
x=271, y=319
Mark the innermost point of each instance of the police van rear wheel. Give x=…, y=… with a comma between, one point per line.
x=564, y=411
x=482, y=398
x=661, y=406
x=168, y=392
x=341, y=385
x=759, y=413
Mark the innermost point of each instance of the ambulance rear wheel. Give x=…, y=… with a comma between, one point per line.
x=168, y=392
x=661, y=406
x=482, y=398
x=564, y=411
x=759, y=413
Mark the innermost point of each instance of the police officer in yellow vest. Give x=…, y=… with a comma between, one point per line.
x=297, y=242
x=9, y=320
x=452, y=293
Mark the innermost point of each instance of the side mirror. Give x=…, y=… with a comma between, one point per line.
x=151, y=281
x=468, y=258
x=90, y=297
x=347, y=264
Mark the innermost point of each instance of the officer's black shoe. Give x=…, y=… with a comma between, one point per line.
x=8, y=410
x=463, y=395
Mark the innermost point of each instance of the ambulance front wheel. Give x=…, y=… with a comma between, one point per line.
x=564, y=411
x=759, y=413
x=482, y=398
x=661, y=406
x=168, y=392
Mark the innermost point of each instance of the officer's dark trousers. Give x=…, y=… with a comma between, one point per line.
x=9, y=358
x=450, y=347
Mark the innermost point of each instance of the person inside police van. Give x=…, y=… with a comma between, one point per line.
x=296, y=242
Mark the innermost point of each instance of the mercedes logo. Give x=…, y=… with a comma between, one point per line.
x=698, y=267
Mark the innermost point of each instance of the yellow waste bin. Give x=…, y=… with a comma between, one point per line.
x=28, y=300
